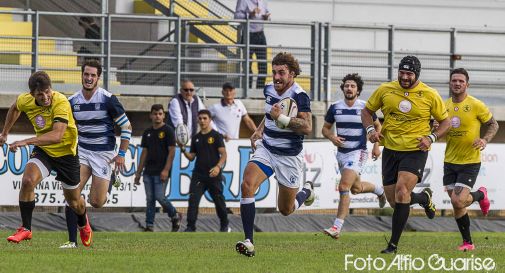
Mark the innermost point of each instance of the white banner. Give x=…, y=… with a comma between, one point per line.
x=320, y=167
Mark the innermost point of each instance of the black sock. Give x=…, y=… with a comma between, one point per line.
x=71, y=218
x=464, y=228
x=400, y=217
x=477, y=196
x=247, y=213
x=81, y=219
x=418, y=198
x=26, y=213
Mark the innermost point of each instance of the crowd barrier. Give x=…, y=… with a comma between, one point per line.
x=320, y=166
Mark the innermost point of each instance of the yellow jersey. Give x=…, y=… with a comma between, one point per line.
x=466, y=119
x=407, y=113
x=43, y=117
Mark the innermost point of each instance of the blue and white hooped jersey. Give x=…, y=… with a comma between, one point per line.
x=95, y=119
x=348, y=124
x=283, y=141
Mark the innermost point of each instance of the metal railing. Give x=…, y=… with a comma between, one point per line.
x=143, y=62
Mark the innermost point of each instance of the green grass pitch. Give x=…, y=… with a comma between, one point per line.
x=215, y=252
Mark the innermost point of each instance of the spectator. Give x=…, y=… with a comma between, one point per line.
x=229, y=112
x=255, y=10
x=184, y=108
x=91, y=31
x=158, y=149
x=208, y=148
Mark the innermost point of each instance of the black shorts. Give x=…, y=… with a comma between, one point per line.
x=465, y=174
x=67, y=167
x=407, y=161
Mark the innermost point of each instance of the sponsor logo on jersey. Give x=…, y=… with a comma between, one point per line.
x=40, y=121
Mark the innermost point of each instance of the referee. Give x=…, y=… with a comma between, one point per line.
x=407, y=105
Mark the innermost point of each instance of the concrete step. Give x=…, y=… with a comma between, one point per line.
x=25, y=45
x=52, y=61
x=9, y=28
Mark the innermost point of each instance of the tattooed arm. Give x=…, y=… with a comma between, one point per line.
x=302, y=123
x=492, y=129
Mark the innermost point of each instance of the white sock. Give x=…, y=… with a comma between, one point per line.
x=379, y=190
x=338, y=223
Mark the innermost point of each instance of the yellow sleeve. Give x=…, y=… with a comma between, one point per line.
x=483, y=113
x=374, y=103
x=62, y=109
x=438, y=109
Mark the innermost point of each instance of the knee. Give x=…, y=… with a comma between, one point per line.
x=247, y=188
x=96, y=204
x=402, y=194
x=344, y=186
x=159, y=197
x=457, y=203
x=285, y=211
x=355, y=189
x=74, y=204
x=28, y=183
x=150, y=199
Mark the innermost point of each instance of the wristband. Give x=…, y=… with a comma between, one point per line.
x=121, y=153
x=283, y=120
x=370, y=129
x=432, y=137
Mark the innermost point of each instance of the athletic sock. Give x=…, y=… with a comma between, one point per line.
x=378, y=190
x=477, y=196
x=26, y=213
x=301, y=196
x=339, y=223
x=400, y=217
x=71, y=219
x=418, y=198
x=247, y=213
x=464, y=228
x=81, y=219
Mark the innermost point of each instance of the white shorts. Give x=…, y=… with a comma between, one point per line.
x=288, y=169
x=98, y=161
x=354, y=160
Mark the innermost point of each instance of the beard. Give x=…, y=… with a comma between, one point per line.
x=408, y=85
x=92, y=86
x=350, y=96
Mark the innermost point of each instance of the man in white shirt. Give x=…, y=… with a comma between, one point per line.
x=255, y=10
x=184, y=108
x=229, y=112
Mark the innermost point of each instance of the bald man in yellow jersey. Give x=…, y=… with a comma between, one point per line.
x=408, y=105
x=55, y=149
x=462, y=154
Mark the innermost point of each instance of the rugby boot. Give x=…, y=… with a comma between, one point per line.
x=310, y=186
x=429, y=208
x=484, y=203
x=21, y=234
x=466, y=246
x=86, y=233
x=245, y=248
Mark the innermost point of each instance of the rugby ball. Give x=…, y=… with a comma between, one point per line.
x=182, y=134
x=288, y=108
